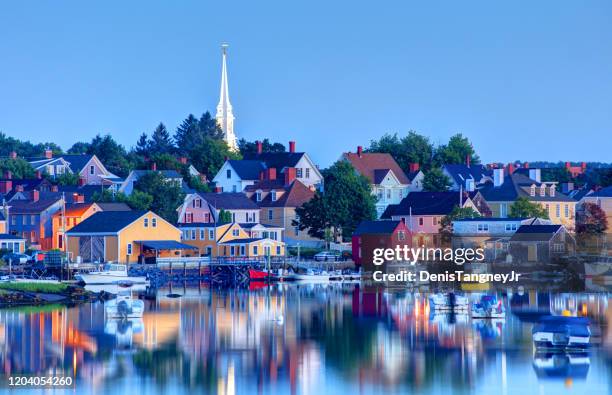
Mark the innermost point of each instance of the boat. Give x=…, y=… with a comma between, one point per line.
x=489, y=306
x=448, y=301
x=124, y=306
x=561, y=333
x=111, y=273
x=310, y=276
x=261, y=275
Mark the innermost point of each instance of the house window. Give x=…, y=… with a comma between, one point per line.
x=33, y=219
x=270, y=214
x=552, y=190
x=273, y=196
x=510, y=227
x=483, y=227
x=258, y=196
x=379, y=194
x=14, y=220
x=232, y=251
x=421, y=221
x=567, y=211
x=388, y=194
x=228, y=173
x=503, y=210
x=542, y=190
x=435, y=221
x=92, y=170
x=558, y=210
x=298, y=172
x=242, y=250
x=185, y=235
x=146, y=222
x=255, y=252
x=129, y=248
x=202, y=234
x=234, y=189
x=278, y=248
x=193, y=234
x=154, y=222
x=401, y=235
x=532, y=191
x=211, y=234
x=308, y=172
x=558, y=247
x=235, y=232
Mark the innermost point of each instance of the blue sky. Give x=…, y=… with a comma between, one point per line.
x=523, y=79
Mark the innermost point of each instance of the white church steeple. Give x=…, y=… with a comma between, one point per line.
x=225, y=116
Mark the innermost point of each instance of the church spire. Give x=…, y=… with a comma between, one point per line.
x=225, y=116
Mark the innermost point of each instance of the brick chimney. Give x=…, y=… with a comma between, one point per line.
x=35, y=195
x=48, y=153
x=8, y=174
x=510, y=168
x=38, y=174
x=183, y=160
x=78, y=198
x=290, y=175
x=259, y=147
x=13, y=155
x=583, y=166
x=292, y=146
x=468, y=159
x=271, y=173
x=6, y=186
x=217, y=189
x=413, y=167
x=82, y=181
x=359, y=150
x=568, y=165
x=154, y=166
x=54, y=188
x=19, y=188
x=526, y=165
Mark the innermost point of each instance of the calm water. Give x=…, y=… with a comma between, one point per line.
x=304, y=339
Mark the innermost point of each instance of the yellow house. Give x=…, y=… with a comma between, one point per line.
x=229, y=240
x=505, y=190
x=124, y=236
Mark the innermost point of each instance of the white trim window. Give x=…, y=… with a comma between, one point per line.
x=129, y=248
x=154, y=222
x=146, y=222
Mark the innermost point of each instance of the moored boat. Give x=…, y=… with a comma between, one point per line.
x=261, y=275
x=124, y=306
x=112, y=273
x=563, y=333
x=310, y=276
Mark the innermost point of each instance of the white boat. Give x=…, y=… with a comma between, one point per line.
x=124, y=306
x=448, y=301
x=559, y=332
x=310, y=276
x=112, y=273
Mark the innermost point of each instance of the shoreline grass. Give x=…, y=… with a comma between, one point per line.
x=35, y=287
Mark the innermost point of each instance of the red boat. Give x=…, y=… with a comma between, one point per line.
x=260, y=275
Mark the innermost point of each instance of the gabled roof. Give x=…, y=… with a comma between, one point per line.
x=412, y=175
x=380, y=174
x=517, y=185
x=113, y=206
x=87, y=191
x=278, y=160
x=424, y=203
x=460, y=172
x=367, y=163
x=376, y=227
x=107, y=222
x=229, y=201
x=535, y=232
x=247, y=169
x=30, y=207
x=75, y=209
x=165, y=173
x=77, y=162
x=295, y=195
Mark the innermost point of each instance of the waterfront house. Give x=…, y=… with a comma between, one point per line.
x=371, y=235
x=540, y=244
x=278, y=199
x=387, y=180
x=170, y=176
x=466, y=177
x=12, y=243
x=11, y=187
x=68, y=217
x=31, y=218
x=423, y=211
x=602, y=198
x=235, y=175
x=492, y=234
x=201, y=207
x=125, y=237
x=230, y=240
x=507, y=188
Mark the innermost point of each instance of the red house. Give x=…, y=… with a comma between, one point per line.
x=370, y=235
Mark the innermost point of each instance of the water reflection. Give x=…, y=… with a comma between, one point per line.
x=306, y=339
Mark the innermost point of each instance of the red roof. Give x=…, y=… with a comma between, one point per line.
x=367, y=164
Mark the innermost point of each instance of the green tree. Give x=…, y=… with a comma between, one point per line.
x=556, y=174
x=346, y=202
x=436, y=181
x=137, y=200
x=225, y=216
x=111, y=153
x=142, y=145
x=67, y=179
x=412, y=148
x=523, y=208
x=167, y=196
x=193, y=132
x=78, y=148
x=456, y=151
x=19, y=168
x=161, y=142
x=209, y=156
x=248, y=148
x=591, y=219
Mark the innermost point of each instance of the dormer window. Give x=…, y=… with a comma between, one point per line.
x=552, y=190
x=542, y=190
x=273, y=196
x=228, y=173
x=258, y=196
x=533, y=188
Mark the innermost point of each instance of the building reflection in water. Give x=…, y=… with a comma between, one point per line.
x=302, y=339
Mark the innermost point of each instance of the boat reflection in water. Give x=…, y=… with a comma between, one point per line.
x=309, y=338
